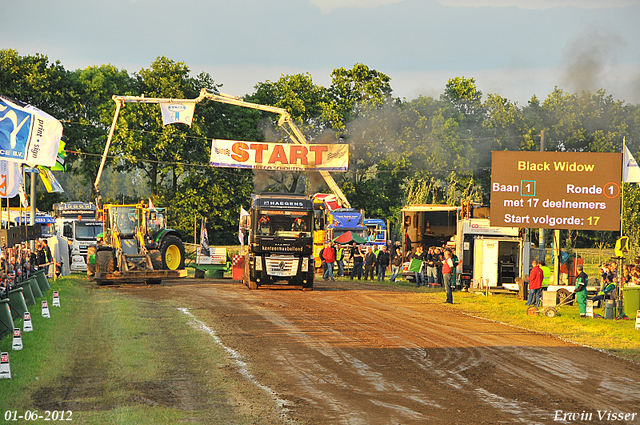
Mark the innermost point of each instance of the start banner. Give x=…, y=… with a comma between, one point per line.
x=279, y=156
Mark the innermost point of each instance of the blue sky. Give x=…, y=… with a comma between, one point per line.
x=517, y=48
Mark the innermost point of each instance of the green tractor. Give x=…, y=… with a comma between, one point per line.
x=136, y=246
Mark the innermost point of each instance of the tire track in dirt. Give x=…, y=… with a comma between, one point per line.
x=382, y=356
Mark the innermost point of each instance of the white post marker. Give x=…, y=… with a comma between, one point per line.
x=17, y=340
x=56, y=299
x=590, y=308
x=5, y=368
x=45, y=309
x=27, y=326
x=638, y=320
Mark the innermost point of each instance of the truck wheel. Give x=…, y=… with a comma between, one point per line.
x=156, y=259
x=91, y=268
x=105, y=263
x=309, y=285
x=172, y=253
x=251, y=284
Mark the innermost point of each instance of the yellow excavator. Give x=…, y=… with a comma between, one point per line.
x=136, y=246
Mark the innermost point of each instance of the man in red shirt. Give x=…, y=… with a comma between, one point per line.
x=328, y=257
x=535, y=283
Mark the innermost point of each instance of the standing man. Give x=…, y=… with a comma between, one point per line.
x=358, y=259
x=328, y=256
x=546, y=273
x=392, y=252
x=447, y=274
x=535, y=284
x=383, y=262
x=340, y=260
x=420, y=256
x=396, y=264
x=369, y=264
x=430, y=266
x=581, y=290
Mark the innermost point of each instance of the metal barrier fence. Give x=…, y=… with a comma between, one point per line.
x=592, y=258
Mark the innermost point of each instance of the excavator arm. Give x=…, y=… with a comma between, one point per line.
x=285, y=122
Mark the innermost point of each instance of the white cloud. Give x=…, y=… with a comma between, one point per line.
x=541, y=4
x=328, y=5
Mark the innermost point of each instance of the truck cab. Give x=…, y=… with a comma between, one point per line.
x=76, y=221
x=376, y=231
x=280, y=249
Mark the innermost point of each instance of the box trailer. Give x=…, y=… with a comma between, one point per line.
x=494, y=254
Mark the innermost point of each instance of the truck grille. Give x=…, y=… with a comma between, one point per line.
x=282, y=266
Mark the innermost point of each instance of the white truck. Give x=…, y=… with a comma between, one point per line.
x=76, y=221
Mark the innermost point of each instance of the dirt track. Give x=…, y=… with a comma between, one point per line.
x=358, y=353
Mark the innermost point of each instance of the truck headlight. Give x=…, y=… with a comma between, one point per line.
x=258, y=264
x=305, y=264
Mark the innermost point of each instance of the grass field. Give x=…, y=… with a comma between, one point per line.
x=105, y=358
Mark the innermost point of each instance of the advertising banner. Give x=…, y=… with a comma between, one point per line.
x=279, y=156
x=27, y=134
x=178, y=112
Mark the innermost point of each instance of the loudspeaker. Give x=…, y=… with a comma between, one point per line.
x=10, y=237
x=34, y=232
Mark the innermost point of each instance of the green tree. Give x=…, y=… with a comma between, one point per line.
x=352, y=93
x=91, y=115
x=302, y=99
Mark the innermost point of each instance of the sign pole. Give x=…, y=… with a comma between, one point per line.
x=541, y=230
x=556, y=256
x=33, y=205
x=624, y=144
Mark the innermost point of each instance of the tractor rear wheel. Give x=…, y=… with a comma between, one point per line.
x=172, y=253
x=105, y=263
x=156, y=259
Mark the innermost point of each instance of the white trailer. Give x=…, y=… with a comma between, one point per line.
x=497, y=255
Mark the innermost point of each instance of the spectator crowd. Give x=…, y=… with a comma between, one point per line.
x=19, y=263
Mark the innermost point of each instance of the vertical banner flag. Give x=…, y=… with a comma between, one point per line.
x=49, y=180
x=23, y=196
x=174, y=112
x=27, y=134
x=630, y=169
x=244, y=219
x=10, y=179
x=204, y=239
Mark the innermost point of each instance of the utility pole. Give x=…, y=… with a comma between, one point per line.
x=32, y=218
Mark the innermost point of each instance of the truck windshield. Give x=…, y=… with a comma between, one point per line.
x=284, y=223
x=48, y=230
x=87, y=231
x=155, y=222
x=125, y=219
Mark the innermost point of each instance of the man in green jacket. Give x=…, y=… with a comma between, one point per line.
x=581, y=290
x=546, y=272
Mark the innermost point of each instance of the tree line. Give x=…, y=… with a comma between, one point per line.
x=423, y=150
